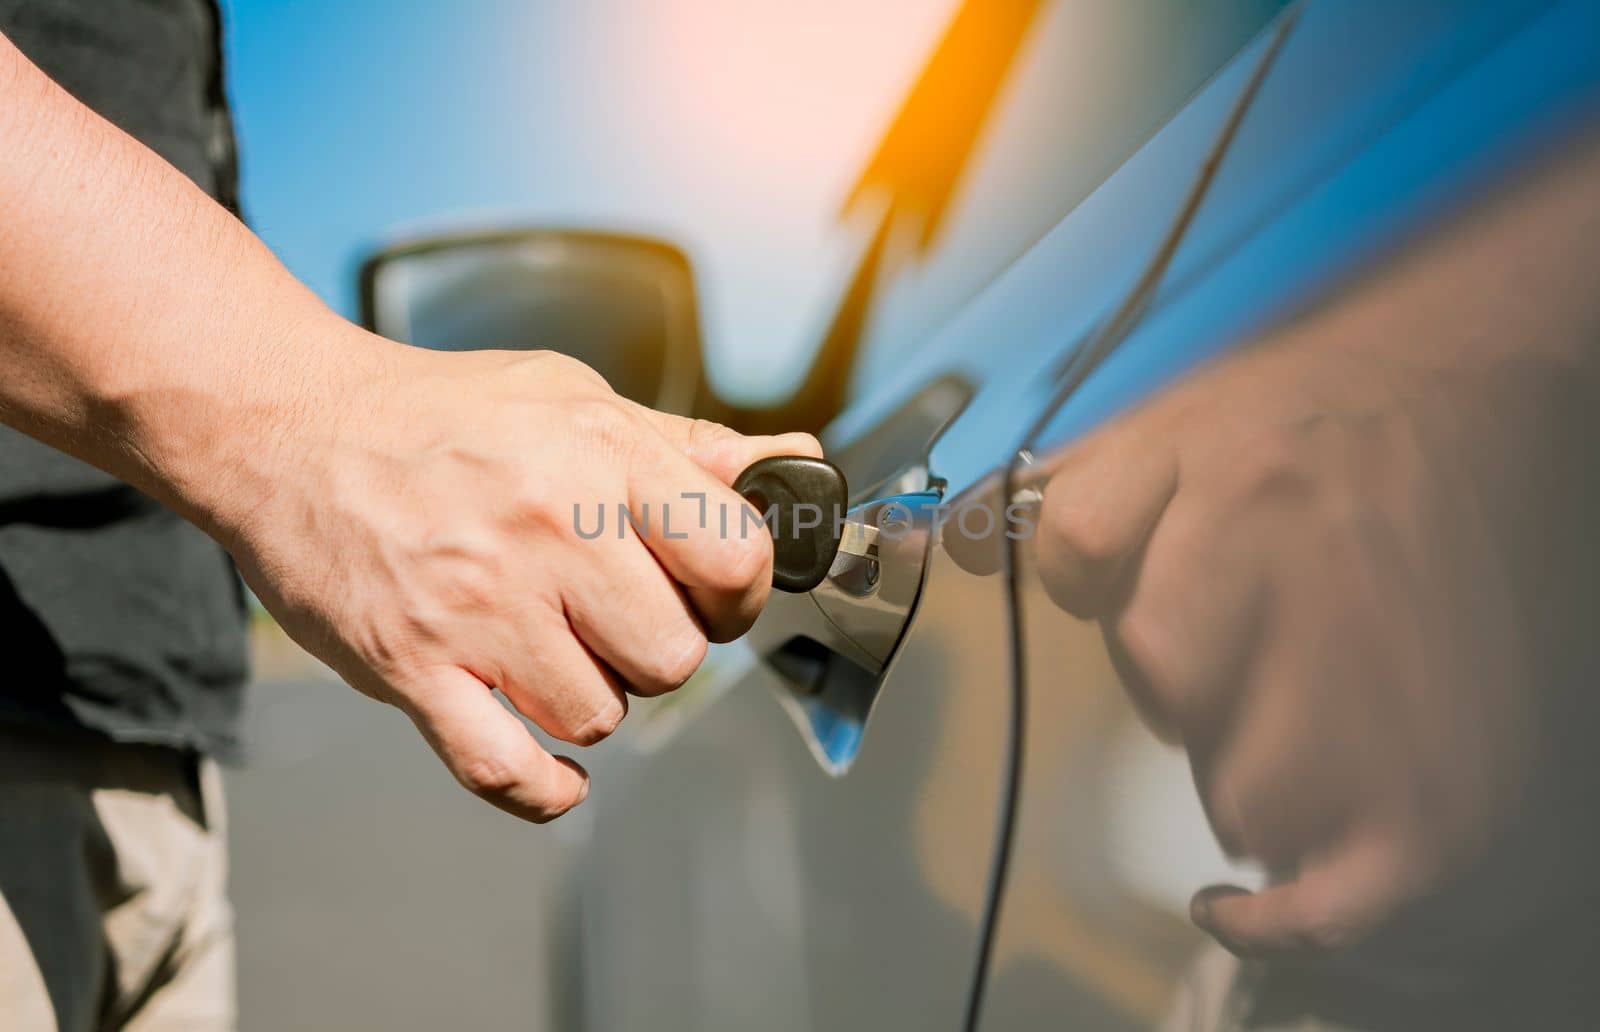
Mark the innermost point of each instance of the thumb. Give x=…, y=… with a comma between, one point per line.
x=722, y=452
x=1327, y=909
x=1102, y=502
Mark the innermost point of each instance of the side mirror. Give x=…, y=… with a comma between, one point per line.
x=624, y=305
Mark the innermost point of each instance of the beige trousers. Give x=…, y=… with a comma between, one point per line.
x=113, y=913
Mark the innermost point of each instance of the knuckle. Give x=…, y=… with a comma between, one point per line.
x=731, y=626
x=548, y=362
x=549, y=809
x=469, y=586
x=1151, y=672
x=599, y=725
x=489, y=776
x=603, y=424
x=533, y=511
x=1271, y=466
x=1220, y=798
x=675, y=663
x=1148, y=642
x=707, y=440
x=1081, y=530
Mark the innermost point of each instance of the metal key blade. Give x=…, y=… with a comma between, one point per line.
x=858, y=539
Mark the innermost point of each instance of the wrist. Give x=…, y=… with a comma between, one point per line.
x=222, y=445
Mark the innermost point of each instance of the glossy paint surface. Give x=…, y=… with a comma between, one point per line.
x=1377, y=123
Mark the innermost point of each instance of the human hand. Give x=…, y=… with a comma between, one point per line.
x=1352, y=572
x=407, y=516
x=419, y=533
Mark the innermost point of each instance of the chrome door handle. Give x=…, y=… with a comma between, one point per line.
x=862, y=607
x=831, y=645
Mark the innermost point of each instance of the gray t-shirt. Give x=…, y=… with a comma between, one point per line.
x=119, y=618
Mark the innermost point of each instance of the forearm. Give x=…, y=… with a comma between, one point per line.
x=142, y=327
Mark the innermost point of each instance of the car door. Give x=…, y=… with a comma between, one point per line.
x=766, y=856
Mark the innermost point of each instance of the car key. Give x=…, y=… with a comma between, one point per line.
x=803, y=551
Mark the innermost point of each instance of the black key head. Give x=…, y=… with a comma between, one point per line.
x=803, y=499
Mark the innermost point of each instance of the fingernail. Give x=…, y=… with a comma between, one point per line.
x=1200, y=912
x=576, y=768
x=1200, y=904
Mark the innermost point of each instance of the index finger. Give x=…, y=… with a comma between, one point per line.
x=724, y=452
x=709, y=539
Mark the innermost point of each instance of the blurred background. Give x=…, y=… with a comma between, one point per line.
x=734, y=129
x=371, y=891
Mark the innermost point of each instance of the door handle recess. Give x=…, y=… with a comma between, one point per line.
x=831, y=645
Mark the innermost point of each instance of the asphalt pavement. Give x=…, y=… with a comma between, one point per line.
x=371, y=892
